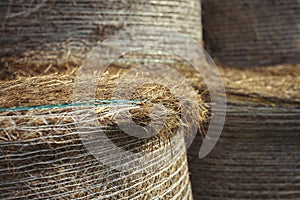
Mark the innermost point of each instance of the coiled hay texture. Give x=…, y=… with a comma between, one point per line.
x=251, y=33
x=257, y=155
x=42, y=155
x=44, y=34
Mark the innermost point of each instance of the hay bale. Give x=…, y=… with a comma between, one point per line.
x=42, y=155
x=252, y=33
x=257, y=155
x=38, y=34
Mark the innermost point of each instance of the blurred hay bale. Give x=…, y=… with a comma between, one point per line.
x=44, y=157
x=49, y=36
x=257, y=155
x=252, y=33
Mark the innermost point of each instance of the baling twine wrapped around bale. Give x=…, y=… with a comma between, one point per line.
x=257, y=155
x=42, y=154
x=251, y=33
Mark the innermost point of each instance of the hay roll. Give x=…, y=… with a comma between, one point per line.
x=64, y=31
x=251, y=33
x=257, y=155
x=43, y=156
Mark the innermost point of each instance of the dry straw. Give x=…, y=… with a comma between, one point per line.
x=250, y=33
x=257, y=156
x=43, y=156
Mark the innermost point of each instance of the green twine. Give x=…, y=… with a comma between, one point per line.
x=70, y=105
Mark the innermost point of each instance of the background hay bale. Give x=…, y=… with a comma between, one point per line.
x=35, y=34
x=43, y=156
x=257, y=155
x=252, y=33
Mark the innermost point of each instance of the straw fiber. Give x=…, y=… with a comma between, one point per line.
x=42, y=155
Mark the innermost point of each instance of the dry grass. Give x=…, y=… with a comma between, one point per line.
x=278, y=84
x=65, y=165
x=43, y=155
x=11, y=69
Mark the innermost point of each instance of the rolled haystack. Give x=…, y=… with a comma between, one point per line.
x=43, y=156
x=257, y=155
x=51, y=36
x=252, y=33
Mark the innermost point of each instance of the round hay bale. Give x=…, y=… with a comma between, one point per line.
x=43, y=156
x=257, y=155
x=44, y=32
x=252, y=33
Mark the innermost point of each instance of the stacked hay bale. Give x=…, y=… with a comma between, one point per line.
x=257, y=156
x=49, y=36
x=251, y=33
x=42, y=154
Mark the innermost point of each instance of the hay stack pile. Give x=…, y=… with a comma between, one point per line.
x=257, y=156
x=252, y=33
x=42, y=154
